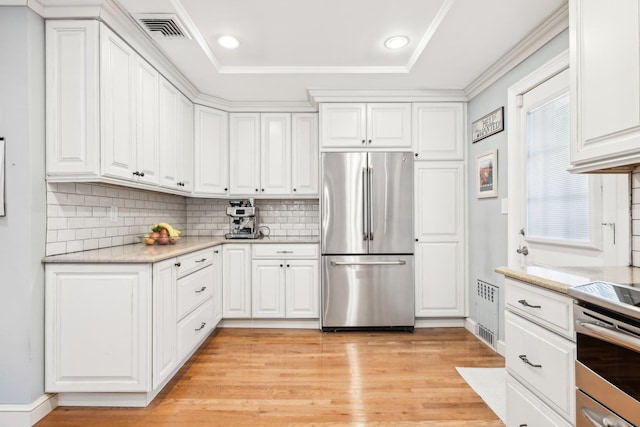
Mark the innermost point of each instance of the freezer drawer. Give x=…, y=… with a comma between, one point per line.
x=371, y=291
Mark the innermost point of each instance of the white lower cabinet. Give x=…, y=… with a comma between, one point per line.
x=539, y=360
x=122, y=330
x=236, y=281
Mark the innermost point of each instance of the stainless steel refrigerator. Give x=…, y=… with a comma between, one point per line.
x=367, y=240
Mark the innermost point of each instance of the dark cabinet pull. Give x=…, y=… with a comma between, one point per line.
x=201, y=260
x=363, y=141
x=523, y=357
x=201, y=326
x=280, y=265
x=416, y=154
x=288, y=266
x=226, y=189
x=177, y=264
x=201, y=289
x=263, y=189
x=136, y=173
x=256, y=189
x=294, y=189
x=141, y=173
x=369, y=141
x=526, y=304
x=216, y=251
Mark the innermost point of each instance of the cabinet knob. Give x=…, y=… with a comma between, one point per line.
x=256, y=189
x=416, y=154
x=177, y=264
x=294, y=189
x=136, y=173
x=288, y=266
x=226, y=189
x=417, y=240
x=363, y=141
x=281, y=265
x=369, y=141
x=263, y=189
x=141, y=173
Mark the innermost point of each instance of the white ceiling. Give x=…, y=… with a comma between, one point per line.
x=290, y=46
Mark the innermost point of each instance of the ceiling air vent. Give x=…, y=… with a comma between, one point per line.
x=163, y=26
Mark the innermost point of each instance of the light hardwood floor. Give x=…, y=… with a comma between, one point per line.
x=308, y=378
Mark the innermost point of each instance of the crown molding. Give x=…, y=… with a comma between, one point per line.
x=426, y=38
x=314, y=70
x=255, y=106
x=322, y=95
x=541, y=35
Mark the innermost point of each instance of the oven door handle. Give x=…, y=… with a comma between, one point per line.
x=599, y=420
x=613, y=335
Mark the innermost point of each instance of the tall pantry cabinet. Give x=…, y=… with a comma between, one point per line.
x=440, y=253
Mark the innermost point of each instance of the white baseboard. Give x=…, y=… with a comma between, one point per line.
x=270, y=323
x=439, y=323
x=28, y=414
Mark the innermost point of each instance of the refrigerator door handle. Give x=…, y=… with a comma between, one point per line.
x=370, y=188
x=365, y=234
x=337, y=263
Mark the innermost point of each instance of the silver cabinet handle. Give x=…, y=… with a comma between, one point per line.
x=201, y=326
x=523, y=357
x=401, y=262
x=201, y=289
x=201, y=260
x=526, y=304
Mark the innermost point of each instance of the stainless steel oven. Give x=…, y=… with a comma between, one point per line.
x=607, y=321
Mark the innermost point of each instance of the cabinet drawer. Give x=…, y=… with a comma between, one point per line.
x=194, y=261
x=544, y=307
x=543, y=361
x=285, y=251
x=524, y=409
x=194, y=289
x=194, y=328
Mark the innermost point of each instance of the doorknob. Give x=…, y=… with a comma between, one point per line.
x=523, y=250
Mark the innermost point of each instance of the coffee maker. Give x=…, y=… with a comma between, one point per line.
x=243, y=220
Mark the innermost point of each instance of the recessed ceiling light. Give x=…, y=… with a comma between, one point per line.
x=229, y=42
x=396, y=42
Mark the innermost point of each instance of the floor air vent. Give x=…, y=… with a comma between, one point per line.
x=163, y=26
x=487, y=312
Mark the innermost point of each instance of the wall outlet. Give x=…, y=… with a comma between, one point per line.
x=113, y=213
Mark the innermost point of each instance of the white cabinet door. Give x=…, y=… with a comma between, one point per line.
x=169, y=120
x=605, y=83
x=244, y=154
x=304, y=154
x=275, y=154
x=165, y=351
x=438, y=130
x=439, y=227
x=302, y=289
x=343, y=125
x=97, y=320
x=147, y=113
x=236, y=282
x=184, y=157
x=217, y=285
x=389, y=125
x=268, y=288
x=118, y=107
x=211, y=171
x=72, y=98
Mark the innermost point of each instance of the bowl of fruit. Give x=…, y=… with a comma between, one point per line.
x=161, y=234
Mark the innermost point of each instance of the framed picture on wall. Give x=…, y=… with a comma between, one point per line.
x=2, y=173
x=487, y=174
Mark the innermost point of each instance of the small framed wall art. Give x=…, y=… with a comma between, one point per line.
x=487, y=174
x=488, y=125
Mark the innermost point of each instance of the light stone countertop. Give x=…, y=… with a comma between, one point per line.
x=560, y=279
x=139, y=253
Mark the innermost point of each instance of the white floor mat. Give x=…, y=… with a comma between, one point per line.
x=491, y=385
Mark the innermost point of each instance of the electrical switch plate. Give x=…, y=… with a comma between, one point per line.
x=504, y=206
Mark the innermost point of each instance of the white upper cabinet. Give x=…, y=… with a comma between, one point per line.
x=169, y=122
x=438, y=130
x=605, y=84
x=72, y=99
x=275, y=150
x=304, y=154
x=244, y=153
x=211, y=147
x=370, y=126
x=185, y=144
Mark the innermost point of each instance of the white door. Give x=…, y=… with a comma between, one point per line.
x=343, y=125
x=244, y=154
x=268, y=288
x=165, y=350
x=302, y=289
x=211, y=147
x=275, y=154
x=557, y=218
x=169, y=119
x=236, y=282
x=304, y=154
x=117, y=106
x=389, y=125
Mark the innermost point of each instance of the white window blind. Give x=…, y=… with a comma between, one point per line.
x=557, y=201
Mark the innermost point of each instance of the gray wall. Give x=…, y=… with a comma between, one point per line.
x=22, y=231
x=487, y=226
